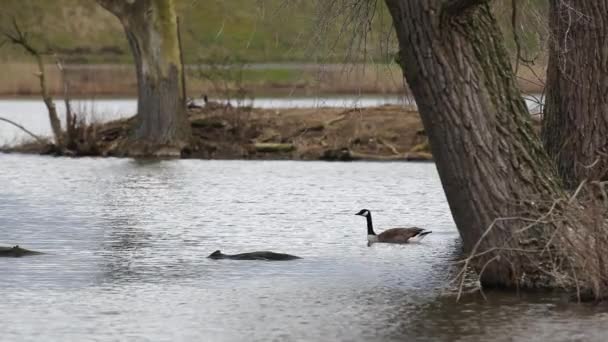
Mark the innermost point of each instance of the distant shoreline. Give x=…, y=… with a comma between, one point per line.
x=253, y=80
x=385, y=133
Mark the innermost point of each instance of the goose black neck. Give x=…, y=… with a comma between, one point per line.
x=370, y=227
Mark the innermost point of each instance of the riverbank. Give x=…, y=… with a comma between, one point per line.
x=233, y=81
x=378, y=133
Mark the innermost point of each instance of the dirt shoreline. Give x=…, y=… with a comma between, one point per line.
x=386, y=133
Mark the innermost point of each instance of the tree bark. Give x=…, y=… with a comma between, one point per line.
x=50, y=104
x=152, y=32
x=575, y=125
x=490, y=161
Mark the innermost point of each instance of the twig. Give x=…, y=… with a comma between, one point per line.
x=342, y=116
x=540, y=219
x=496, y=257
x=39, y=139
x=580, y=186
x=18, y=37
x=389, y=146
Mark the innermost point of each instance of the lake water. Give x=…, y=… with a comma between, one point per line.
x=32, y=114
x=127, y=243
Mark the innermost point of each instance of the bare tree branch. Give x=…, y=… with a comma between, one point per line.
x=19, y=37
x=39, y=139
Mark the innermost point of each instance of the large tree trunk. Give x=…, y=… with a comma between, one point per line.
x=575, y=125
x=490, y=161
x=152, y=32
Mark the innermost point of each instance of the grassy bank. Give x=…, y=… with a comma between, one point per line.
x=240, y=33
x=119, y=80
x=252, y=31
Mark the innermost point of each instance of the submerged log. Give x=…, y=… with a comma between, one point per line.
x=345, y=154
x=16, y=252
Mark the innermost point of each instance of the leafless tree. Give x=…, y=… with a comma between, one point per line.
x=18, y=37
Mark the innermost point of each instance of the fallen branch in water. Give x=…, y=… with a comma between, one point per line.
x=274, y=147
x=39, y=139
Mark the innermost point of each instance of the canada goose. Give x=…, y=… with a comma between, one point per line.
x=393, y=235
x=214, y=104
x=191, y=104
x=263, y=255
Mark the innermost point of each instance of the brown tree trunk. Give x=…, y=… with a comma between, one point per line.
x=575, y=125
x=50, y=104
x=490, y=161
x=152, y=32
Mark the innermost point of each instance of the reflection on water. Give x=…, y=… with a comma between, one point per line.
x=127, y=244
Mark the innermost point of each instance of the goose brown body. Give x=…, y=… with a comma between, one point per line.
x=400, y=235
x=393, y=235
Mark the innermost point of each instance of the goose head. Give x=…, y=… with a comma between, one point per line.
x=363, y=212
x=216, y=255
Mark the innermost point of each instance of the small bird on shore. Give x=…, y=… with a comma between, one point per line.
x=214, y=104
x=393, y=235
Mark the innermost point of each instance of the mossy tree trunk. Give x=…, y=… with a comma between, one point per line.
x=575, y=125
x=491, y=163
x=152, y=32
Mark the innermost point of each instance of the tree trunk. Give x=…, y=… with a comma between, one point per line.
x=490, y=161
x=152, y=32
x=50, y=104
x=575, y=125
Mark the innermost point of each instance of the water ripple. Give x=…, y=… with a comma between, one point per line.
x=127, y=243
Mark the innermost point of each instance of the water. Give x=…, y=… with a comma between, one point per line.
x=127, y=243
x=32, y=114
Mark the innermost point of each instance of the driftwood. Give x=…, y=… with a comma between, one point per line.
x=342, y=116
x=389, y=146
x=422, y=147
x=346, y=154
x=274, y=147
x=410, y=156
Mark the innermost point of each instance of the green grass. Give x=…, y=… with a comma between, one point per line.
x=253, y=31
x=217, y=30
